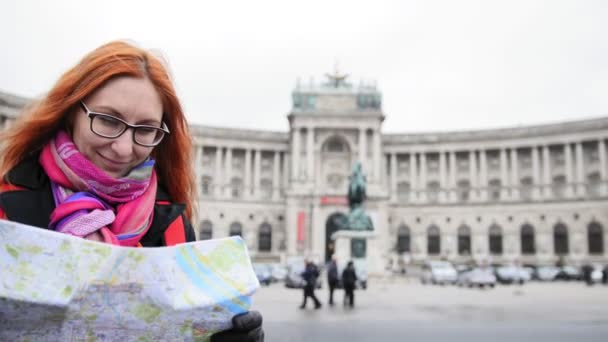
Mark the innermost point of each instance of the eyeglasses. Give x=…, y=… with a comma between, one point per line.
x=108, y=126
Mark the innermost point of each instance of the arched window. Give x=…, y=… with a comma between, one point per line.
x=403, y=191
x=560, y=239
x=494, y=187
x=336, y=145
x=236, y=185
x=265, y=238
x=595, y=238
x=464, y=240
x=206, y=230
x=403, y=239
x=206, y=184
x=464, y=187
x=528, y=245
x=495, y=239
x=236, y=228
x=433, y=241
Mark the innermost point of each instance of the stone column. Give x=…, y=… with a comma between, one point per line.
x=580, y=171
x=568, y=167
x=363, y=148
x=514, y=175
x=228, y=172
x=452, y=193
x=504, y=179
x=377, y=150
x=535, y=174
x=422, y=197
x=275, y=176
x=310, y=139
x=601, y=148
x=443, y=184
x=413, y=183
x=394, y=176
x=546, y=173
x=247, y=181
x=257, y=162
x=473, y=174
x=295, y=154
x=284, y=171
x=218, y=182
x=483, y=177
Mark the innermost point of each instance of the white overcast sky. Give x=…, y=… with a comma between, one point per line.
x=440, y=65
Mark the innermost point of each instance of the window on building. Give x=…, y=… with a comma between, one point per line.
x=266, y=188
x=206, y=185
x=560, y=239
x=206, y=230
x=265, y=238
x=528, y=246
x=495, y=239
x=236, y=187
x=494, y=188
x=558, y=186
x=433, y=246
x=403, y=239
x=403, y=191
x=525, y=190
x=464, y=240
x=464, y=189
x=432, y=192
x=236, y=229
x=595, y=238
x=335, y=145
x=593, y=184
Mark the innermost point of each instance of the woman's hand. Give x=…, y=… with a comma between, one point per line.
x=246, y=327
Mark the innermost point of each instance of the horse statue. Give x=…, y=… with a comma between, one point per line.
x=357, y=193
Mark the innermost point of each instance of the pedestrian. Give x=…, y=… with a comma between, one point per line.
x=332, y=278
x=310, y=275
x=349, y=280
x=105, y=155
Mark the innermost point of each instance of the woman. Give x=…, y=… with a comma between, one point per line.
x=106, y=156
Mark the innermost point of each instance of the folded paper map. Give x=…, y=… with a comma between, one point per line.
x=56, y=287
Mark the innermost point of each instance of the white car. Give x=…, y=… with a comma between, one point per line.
x=512, y=274
x=439, y=272
x=478, y=276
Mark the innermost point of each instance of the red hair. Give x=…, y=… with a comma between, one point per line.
x=41, y=121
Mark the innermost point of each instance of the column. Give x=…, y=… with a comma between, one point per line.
x=295, y=154
x=377, y=175
x=310, y=135
x=218, y=181
x=413, y=184
x=363, y=148
x=284, y=172
x=228, y=172
x=568, y=168
x=546, y=173
x=483, y=176
x=257, y=162
x=473, y=175
x=394, y=177
x=422, y=197
x=515, y=183
x=247, y=181
x=452, y=197
x=580, y=171
x=602, y=160
x=535, y=173
x=504, y=180
x=443, y=184
x=275, y=175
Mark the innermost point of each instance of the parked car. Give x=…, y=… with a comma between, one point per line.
x=262, y=271
x=512, y=274
x=293, y=279
x=278, y=272
x=546, y=273
x=569, y=273
x=438, y=272
x=478, y=276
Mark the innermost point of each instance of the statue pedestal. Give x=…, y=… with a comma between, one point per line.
x=361, y=247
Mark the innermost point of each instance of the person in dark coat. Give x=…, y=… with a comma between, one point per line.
x=332, y=278
x=349, y=280
x=310, y=275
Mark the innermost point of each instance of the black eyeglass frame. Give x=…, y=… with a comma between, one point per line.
x=91, y=115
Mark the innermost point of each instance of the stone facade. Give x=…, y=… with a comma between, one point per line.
x=534, y=194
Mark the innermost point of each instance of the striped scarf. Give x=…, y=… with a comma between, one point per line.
x=94, y=205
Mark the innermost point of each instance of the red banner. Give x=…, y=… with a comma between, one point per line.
x=301, y=226
x=334, y=200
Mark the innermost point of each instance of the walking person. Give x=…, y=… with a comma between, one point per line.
x=332, y=278
x=310, y=275
x=349, y=279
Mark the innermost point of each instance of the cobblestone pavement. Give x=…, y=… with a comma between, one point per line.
x=396, y=309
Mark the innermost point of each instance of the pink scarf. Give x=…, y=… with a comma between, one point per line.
x=92, y=204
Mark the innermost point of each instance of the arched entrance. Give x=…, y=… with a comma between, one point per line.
x=333, y=223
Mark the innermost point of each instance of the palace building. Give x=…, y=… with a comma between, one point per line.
x=535, y=195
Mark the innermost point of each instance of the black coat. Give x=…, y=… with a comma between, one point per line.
x=349, y=277
x=34, y=205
